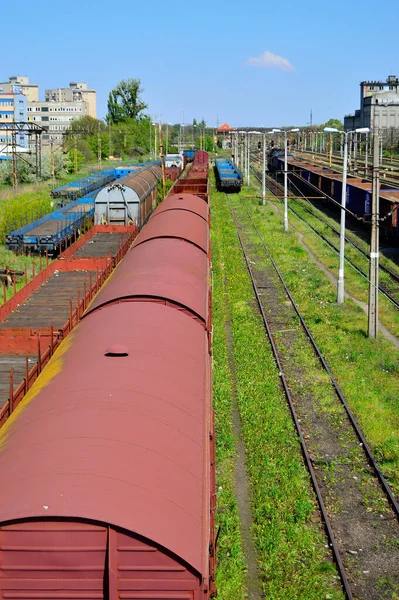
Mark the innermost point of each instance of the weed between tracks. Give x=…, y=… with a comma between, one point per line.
x=367, y=370
x=355, y=283
x=293, y=560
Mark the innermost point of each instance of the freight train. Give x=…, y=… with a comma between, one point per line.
x=310, y=178
x=127, y=197
x=107, y=466
x=228, y=176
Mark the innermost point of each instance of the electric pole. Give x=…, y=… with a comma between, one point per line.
x=52, y=166
x=264, y=171
x=162, y=158
x=14, y=159
x=75, y=153
x=99, y=147
x=374, y=242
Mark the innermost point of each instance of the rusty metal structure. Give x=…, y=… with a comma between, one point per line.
x=34, y=133
x=196, y=181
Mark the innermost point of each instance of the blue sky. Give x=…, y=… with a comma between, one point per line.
x=208, y=58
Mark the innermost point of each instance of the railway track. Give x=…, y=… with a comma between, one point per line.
x=389, y=171
x=359, y=511
x=389, y=280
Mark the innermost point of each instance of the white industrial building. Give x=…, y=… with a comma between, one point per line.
x=379, y=105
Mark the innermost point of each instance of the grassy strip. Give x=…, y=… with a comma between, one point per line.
x=18, y=263
x=231, y=565
x=289, y=539
x=355, y=284
x=367, y=370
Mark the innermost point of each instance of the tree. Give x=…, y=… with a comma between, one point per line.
x=86, y=126
x=124, y=102
x=335, y=123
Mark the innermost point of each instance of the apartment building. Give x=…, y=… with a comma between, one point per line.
x=54, y=114
x=13, y=109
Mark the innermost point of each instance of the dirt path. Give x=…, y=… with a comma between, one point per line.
x=242, y=482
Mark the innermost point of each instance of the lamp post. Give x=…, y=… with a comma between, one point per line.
x=285, y=172
x=340, y=284
x=248, y=175
x=264, y=163
x=374, y=243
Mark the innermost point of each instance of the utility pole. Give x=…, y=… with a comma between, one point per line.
x=52, y=166
x=366, y=158
x=331, y=149
x=285, y=183
x=14, y=160
x=155, y=141
x=75, y=153
x=264, y=171
x=341, y=267
x=162, y=158
x=99, y=152
x=374, y=243
x=248, y=161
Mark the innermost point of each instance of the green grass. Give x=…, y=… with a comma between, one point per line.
x=290, y=543
x=355, y=283
x=367, y=370
x=18, y=263
x=231, y=566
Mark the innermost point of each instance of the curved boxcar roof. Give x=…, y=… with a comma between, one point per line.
x=188, y=202
x=180, y=224
x=141, y=182
x=118, y=439
x=167, y=269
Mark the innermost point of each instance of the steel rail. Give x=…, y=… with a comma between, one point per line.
x=367, y=450
x=391, y=180
x=308, y=461
x=381, y=287
x=351, y=242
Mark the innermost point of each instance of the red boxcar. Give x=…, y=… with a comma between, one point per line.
x=107, y=465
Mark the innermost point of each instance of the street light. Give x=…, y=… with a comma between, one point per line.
x=296, y=130
x=340, y=284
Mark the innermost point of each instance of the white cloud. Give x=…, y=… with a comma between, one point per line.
x=268, y=60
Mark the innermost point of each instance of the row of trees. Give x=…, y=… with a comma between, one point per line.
x=128, y=131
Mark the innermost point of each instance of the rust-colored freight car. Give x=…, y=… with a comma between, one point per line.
x=107, y=466
x=196, y=182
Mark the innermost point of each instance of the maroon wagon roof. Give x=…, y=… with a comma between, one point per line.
x=188, y=202
x=122, y=440
x=163, y=268
x=180, y=224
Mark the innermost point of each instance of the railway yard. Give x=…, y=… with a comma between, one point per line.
x=185, y=409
